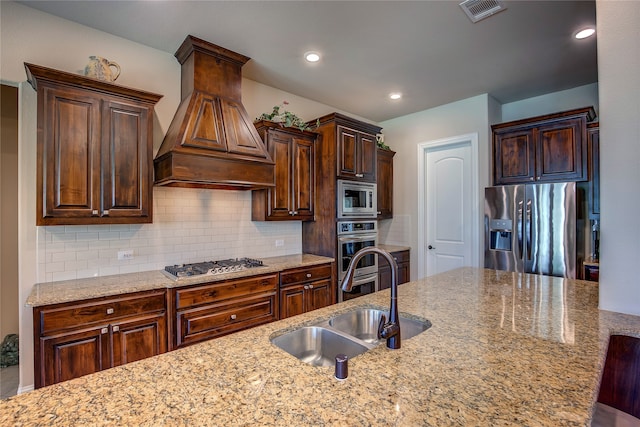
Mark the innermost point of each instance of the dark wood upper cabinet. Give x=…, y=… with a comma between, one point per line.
x=356, y=155
x=385, y=183
x=95, y=142
x=293, y=196
x=547, y=148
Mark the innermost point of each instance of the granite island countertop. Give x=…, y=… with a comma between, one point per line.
x=504, y=349
x=93, y=287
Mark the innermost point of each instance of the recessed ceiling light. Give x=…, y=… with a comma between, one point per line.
x=395, y=95
x=312, y=56
x=584, y=33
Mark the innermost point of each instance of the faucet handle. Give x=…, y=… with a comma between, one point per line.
x=381, y=325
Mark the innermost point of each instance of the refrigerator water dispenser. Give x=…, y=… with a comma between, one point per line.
x=500, y=234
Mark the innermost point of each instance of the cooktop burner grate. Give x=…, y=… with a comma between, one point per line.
x=210, y=268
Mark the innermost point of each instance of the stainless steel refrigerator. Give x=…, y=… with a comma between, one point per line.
x=535, y=228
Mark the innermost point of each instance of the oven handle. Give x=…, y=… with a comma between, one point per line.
x=358, y=238
x=357, y=281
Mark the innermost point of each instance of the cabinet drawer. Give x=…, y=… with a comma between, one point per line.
x=305, y=274
x=199, y=324
x=215, y=292
x=100, y=310
x=402, y=256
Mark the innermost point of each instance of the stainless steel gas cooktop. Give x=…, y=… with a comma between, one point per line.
x=209, y=268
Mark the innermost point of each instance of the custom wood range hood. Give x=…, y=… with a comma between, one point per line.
x=212, y=142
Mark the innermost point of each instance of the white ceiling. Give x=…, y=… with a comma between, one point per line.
x=428, y=50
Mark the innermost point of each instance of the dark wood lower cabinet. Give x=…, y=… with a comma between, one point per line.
x=305, y=289
x=83, y=337
x=620, y=385
x=403, y=259
x=219, y=308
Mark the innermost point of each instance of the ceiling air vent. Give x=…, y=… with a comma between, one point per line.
x=478, y=10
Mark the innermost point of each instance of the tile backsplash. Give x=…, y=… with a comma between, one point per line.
x=189, y=225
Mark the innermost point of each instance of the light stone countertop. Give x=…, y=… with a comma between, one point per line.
x=94, y=287
x=394, y=248
x=505, y=349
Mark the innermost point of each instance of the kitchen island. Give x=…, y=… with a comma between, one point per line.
x=504, y=349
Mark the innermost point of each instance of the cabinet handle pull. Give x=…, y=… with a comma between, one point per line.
x=115, y=328
x=94, y=212
x=106, y=212
x=308, y=274
x=379, y=212
x=104, y=330
x=110, y=310
x=359, y=175
x=233, y=317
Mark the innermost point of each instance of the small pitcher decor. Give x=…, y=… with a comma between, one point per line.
x=100, y=68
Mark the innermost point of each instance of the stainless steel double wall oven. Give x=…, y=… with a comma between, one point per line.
x=353, y=236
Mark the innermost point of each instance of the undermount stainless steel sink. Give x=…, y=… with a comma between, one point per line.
x=363, y=324
x=318, y=346
x=351, y=333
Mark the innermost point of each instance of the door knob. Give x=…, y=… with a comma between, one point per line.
x=430, y=247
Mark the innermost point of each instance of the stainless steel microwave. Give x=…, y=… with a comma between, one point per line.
x=357, y=199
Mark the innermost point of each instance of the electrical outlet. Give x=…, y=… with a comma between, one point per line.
x=127, y=254
x=279, y=243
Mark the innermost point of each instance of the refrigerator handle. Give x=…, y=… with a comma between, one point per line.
x=528, y=230
x=520, y=231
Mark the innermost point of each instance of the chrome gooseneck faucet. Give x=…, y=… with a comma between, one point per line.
x=387, y=330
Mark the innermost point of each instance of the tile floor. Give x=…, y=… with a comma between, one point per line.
x=9, y=380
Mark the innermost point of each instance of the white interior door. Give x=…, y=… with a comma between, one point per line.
x=448, y=221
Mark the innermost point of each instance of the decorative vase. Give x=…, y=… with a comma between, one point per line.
x=100, y=68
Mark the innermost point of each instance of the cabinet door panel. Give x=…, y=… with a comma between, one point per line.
x=139, y=338
x=71, y=355
x=347, y=155
x=303, y=177
x=69, y=156
x=125, y=160
x=292, y=301
x=279, y=203
x=384, y=175
x=319, y=295
x=514, y=157
x=560, y=153
x=367, y=146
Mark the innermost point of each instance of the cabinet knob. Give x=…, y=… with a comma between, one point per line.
x=379, y=212
x=233, y=317
x=308, y=274
x=306, y=286
x=295, y=212
x=115, y=328
x=359, y=175
x=110, y=310
x=310, y=286
x=104, y=330
x=290, y=212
